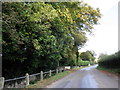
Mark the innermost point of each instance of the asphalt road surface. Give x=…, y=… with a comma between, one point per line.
x=88, y=77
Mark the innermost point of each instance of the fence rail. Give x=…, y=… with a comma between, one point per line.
x=15, y=79
x=53, y=70
x=45, y=72
x=24, y=81
x=35, y=74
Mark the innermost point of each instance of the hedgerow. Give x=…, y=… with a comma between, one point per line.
x=110, y=61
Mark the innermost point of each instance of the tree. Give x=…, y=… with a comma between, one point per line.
x=27, y=39
x=80, y=17
x=39, y=35
x=79, y=40
x=88, y=56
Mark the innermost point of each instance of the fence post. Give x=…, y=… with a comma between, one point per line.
x=1, y=82
x=60, y=70
x=41, y=75
x=16, y=84
x=64, y=69
x=27, y=79
x=56, y=71
x=50, y=73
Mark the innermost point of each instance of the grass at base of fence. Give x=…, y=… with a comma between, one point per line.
x=114, y=71
x=45, y=82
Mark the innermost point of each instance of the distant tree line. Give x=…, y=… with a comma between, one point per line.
x=44, y=35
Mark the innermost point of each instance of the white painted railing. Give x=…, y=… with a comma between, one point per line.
x=24, y=81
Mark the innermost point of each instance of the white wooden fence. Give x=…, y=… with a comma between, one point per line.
x=24, y=81
x=1, y=82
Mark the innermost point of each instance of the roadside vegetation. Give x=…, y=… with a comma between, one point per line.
x=45, y=82
x=41, y=36
x=110, y=63
x=48, y=81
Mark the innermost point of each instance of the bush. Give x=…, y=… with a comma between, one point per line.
x=92, y=62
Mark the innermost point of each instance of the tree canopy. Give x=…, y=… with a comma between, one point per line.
x=39, y=35
x=88, y=56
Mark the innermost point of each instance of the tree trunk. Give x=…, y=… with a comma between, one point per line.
x=77, y=55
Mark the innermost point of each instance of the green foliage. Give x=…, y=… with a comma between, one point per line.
x=88, y=55
x=110, y=61
x=41, y=35
x=83, y=63
x=92, y=62
x=102, y=55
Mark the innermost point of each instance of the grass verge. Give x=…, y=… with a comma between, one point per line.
x=48, y=81
x=114, y=71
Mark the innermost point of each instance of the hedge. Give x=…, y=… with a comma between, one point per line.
x=110, y=61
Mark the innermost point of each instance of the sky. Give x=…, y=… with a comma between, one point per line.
x=105, y=38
